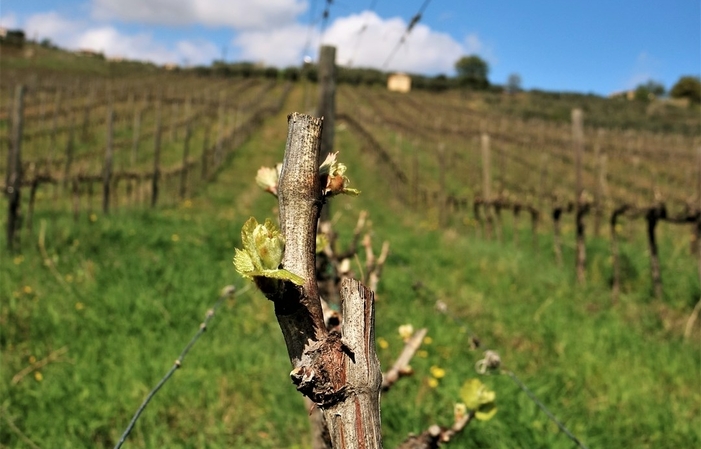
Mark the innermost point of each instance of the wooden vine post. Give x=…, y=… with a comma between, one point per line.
x=615, y=258
x=107, y=171
x=487, y=186
x=339, y=373
x=156, y=156
x=653, y=215
x=327, y=105
x=13, y=178
x=580, y=206
x=697, y=228
x=186, y=149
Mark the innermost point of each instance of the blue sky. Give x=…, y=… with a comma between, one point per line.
x=585, y=46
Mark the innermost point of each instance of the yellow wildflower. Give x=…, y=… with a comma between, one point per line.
x=437, y=372
x=175, y=237
x=382, y=343
x=38, y=376
x=433, y=382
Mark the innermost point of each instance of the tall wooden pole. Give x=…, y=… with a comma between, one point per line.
x=327, y=105
x=107, y=171
x=487, y=185
x=580, y=208
x=186, y=150
x=13, y=179
x=156, y=156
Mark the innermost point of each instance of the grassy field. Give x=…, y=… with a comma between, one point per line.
x=118, y=296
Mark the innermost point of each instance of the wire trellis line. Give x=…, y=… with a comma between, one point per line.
x=492, y=362
x=225, y=293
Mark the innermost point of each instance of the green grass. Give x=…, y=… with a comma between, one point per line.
x=135, y=285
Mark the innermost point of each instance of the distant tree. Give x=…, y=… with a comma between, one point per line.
x=271, y=72
x=439, y=83
x=291, y=73
x=649, y=90
x=687, y=87
x=513, y=84
x=472, y=72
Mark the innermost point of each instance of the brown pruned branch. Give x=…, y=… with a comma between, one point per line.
x=435, y=436
x=373, y=266
x=340, y=373
x=401, y=366
x=54, y=356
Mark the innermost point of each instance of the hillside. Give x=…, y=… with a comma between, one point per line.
x=95, y=306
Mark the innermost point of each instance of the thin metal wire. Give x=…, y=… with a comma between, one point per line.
x=545, y=410
x=412, y=24
x=226, y=293
x=442, y=307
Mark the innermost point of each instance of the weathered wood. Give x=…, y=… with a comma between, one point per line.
x=135, y=134
x=107, y=168
x=442, y=194
x=220, y=130
x=13, y=177
x=580, y=208
x=615, y=258
x=354, y=421
x=186, y=150
x=327, y=105
x=156, y=157
x=487, y=186
x=653, y=215
x=70, y=148
x=205, y=151
x=340, y=374
x=598, y=189
x=557, y=234
x=54, y=128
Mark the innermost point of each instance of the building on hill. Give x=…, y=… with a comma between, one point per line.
x=399, y=82
x=625, y=94
x=12, y=37
x=90, y=53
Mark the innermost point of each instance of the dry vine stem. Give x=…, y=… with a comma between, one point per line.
x=339, y=373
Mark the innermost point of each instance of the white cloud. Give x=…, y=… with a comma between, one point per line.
x=280, y=47
x=8, y=20
x=77, y=34
x=644, y=69
x=239, y=14
x=51, y=25
x=424, y=50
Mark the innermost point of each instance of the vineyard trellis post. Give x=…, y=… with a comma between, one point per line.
x=653, y=215
x=136, y=132
x=107, y=171
x=186, y=149
x=327, y=105
x=615, y=258
x=70, y=147
x=54, y=129
x=598, y=189
x=13, y=179
x=487, y=186
x=698, y=210
x=156, y=156
x=580, y=206
x=442, y=195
